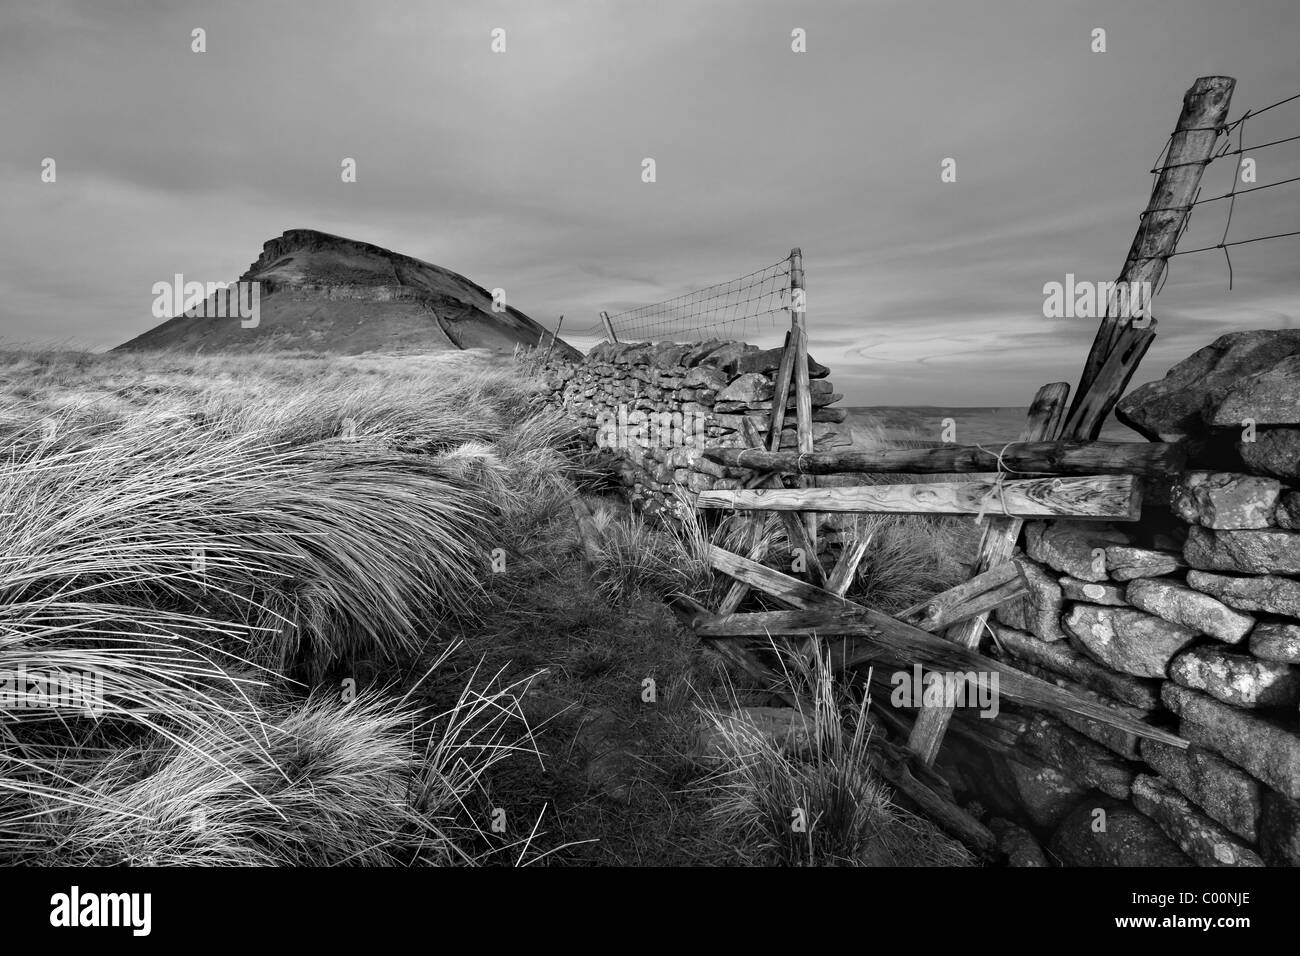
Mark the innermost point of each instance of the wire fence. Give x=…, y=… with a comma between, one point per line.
x=1227, y=131
x=730, y=309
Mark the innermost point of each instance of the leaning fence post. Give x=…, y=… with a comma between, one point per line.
x=554, y=335
x=1119, y=345
x=609, y=327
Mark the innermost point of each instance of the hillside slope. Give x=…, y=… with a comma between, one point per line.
x=327, y=293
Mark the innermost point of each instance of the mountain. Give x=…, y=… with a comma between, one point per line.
x=326, y=293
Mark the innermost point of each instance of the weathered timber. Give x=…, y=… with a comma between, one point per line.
x=755, y=546
x=1204, y=112
x=781, y=391
x=980, y=594
x=609, y=326
x=1090, y=411
x=803, y=390
x=877, y=636
x=1101, y=498
x=795, y=531
x=1000, y=535
x=846, y=568
x=837, y=616
x=1041, y=457
x=789, y=589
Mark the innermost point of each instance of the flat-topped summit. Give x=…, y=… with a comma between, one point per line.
x=333, y=294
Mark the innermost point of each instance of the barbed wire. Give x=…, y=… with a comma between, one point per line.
x=737, y=306
x=1226, y=130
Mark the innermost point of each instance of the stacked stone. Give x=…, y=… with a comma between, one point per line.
x=1189, y=620
x=701, y=391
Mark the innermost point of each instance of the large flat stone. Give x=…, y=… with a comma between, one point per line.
x=1247, y=552
x=1196, y=834
x=1065, y=659
x=1071, y=547
x=1236, y=678
x=1226, y=501
x=1127, y=639
x=1226, y=793
x=1269, y=751
x=1179, y=405
x=1179, y=604
x=1267, y=593
x=1126, y=563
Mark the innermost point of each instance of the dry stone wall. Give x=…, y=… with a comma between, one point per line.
x=656, y=406
x=1189, y=620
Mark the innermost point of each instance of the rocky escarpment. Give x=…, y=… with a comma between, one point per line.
x=329, y=293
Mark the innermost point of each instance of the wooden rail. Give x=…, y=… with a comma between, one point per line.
x=1101, y=498
x=1040, y=457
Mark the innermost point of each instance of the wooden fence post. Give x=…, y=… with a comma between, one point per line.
x=1119, y=345
x=803, y=390
x=609, y=326
x=554, y=335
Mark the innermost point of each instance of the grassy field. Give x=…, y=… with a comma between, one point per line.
x=337, y=610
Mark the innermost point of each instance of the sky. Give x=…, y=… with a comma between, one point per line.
x=522, y=169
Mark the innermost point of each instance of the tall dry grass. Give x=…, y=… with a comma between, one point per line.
x=811, y=799
x=182, y=530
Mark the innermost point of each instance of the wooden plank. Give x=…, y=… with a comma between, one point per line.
x=980, y=594
x=755, y=547
x=836, y=616
x=781, y=586
x=846, y=568
x=1043, y=457
x=1100, y=497
x=781, y=392
x=1000, y=535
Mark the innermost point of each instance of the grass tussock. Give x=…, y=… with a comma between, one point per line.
x=181, y=533
x=812, y=799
